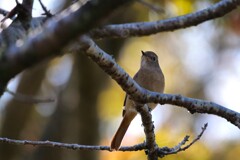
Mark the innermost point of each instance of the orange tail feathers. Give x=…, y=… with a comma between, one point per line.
x=117, y=139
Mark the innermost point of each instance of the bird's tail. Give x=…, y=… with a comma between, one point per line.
x=117, y=139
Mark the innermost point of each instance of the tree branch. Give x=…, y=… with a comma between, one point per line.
x=141, y=95
x=46, y=12
x=28, y=4
x=139, y=147
x=179, y=147
x=147, y=122
x=53, y=144
x=147, y=28
x=60, y=32
x=24, y=9
x=3, y=12
x=28, y=98
x=55, y=36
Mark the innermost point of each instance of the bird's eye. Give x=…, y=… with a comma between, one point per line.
x=154, y=59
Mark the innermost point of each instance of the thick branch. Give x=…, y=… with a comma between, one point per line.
x=107, y=63
x=54, y=37
x=29, y=5
x=195, y=105
x=147, y=28
x=147, y=123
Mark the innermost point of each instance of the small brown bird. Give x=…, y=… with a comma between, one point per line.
x=150, y=77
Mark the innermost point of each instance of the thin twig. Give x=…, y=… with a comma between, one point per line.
x=3, y=12
x=54, y=144
x=139, y=147
x=196, y=139
x=183, y=142
x=27, y=98
x=167, y=151
x=12, y=13
x=47, y=12
x=151, y=6
x=71, y=146
x=17, y=2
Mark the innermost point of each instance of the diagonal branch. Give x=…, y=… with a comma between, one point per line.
x=3, y=12
x=178, y=148
x=195, y=140
x=28, y=98
x=57, y=34
x=28, y=4
x=147, y=28
x=46, y=12
x=108, y=64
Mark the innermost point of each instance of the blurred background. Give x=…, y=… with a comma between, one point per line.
x=200, y=62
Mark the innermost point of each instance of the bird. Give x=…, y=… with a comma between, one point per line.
x=150, y=77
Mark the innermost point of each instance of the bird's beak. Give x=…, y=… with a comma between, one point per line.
x=143, y=53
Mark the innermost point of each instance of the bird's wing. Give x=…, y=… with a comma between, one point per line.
x=125, y=100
